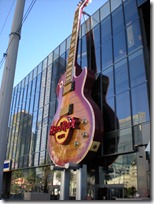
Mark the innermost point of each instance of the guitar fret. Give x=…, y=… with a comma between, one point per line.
x=72, y=41
x=71, y=47
x=74, y=29
x=76, y=14
x=69, y=70
x=70, y=59
x=71, y=54
x=69, y=67
x=69, y=77
x=69, y=74
x=72, y=51
x=68, y=81
x=73, y=38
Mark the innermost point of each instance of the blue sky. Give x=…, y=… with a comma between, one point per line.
x=48, y=24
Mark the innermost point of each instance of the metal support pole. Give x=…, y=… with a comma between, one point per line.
x=81, y=188
x=65, y=184
x=7, y=82
x=81, y=180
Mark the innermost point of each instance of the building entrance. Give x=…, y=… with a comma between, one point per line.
x=110, y=192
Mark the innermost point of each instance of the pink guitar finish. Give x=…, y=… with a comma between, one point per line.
x=77, y=128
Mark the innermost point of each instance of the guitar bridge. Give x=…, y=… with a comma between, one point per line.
x=67, y=110
x=68, y=87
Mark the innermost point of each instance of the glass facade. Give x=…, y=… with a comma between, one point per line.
x=120, y=55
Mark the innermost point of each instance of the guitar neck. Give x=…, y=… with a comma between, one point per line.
x=70, y=68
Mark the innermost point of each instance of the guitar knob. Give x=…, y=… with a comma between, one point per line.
x=84, y=134
x=84, y=121
x=76, y=144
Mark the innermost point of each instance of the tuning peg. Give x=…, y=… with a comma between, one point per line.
x=79, y=3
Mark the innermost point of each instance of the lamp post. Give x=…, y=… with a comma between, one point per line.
x=8, y=80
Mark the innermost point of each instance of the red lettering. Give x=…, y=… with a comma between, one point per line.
x=59, y=128
x=61, y=136
x=52, y=130
x=63, y=126
x=73, y=123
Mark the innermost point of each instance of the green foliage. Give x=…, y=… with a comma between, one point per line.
x=131, y=191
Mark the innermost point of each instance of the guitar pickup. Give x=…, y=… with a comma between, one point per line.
x=68, y=88
x=67, y=110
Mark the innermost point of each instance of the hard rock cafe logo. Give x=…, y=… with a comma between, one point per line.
x=63, y=129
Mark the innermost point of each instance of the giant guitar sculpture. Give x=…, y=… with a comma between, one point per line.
x=76, y=131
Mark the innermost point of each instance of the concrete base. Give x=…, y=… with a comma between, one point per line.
x=36, y=196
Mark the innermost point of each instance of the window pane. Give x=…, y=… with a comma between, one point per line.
x=79, y=53
x=140, y=104
x=97, y=35
x=137, y=68
x=105, y=10
x=123, y=172
x=95, y=18
x=45, y=63
x=55, y=67
x=134, y=39
x=110, y=102
x=140, y=2
x=84, y=29
x=50, y=58
x=130, y=10
x=106, y=29
x=97, y=45
x=115, y=4
x=118, y=20
x=42, y=93
x=32, y=96
x=56, y=53
x=68, y=42
x=119, y=46
x=39, y=68
x=84, y=52
x=123, y=109
x=97, y=52
x=28, y=96
x=62, y=47
x=125, y=140
x=121, y=76
x=107, y=58
x=109, y=72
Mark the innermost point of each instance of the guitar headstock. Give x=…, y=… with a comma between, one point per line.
x=84, y=3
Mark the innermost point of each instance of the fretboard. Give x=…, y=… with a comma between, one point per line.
x=73, y=47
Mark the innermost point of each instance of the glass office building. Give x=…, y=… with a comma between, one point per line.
x=121, y=30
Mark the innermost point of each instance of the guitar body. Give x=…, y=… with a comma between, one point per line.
x=76, y=131
x=77, y=127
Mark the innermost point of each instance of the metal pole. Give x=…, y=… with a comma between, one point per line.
x=81, y=180
x=65, y=184
x=7, y=82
